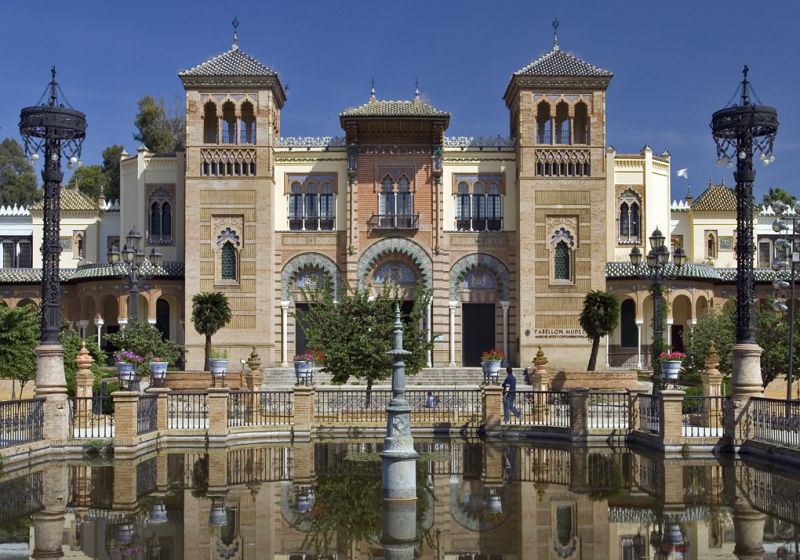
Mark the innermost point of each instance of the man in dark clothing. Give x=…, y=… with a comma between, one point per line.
x=509, y=394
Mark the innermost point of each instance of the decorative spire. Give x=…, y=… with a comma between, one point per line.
x=372, y=90
x=416, y=90
x=235, y=24
x=745, y=86
x=555, y=34
x=53, y=87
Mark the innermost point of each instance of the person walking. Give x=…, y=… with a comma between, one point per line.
x=509, y=395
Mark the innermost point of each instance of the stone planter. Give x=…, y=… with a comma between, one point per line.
x=303, y=370
x=493, y=368
x=218, y=367
x=671, y=370
x=158, y=370
x=125, y=372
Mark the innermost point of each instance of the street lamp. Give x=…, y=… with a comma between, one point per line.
x=656, y=269
x=789, y=226
x=54, y=128
x=133, y=267
x=738, y=129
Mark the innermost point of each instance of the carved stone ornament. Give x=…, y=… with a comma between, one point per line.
x=562, y=228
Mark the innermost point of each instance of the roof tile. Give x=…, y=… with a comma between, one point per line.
x=558, y=63
x=387, y=108
x=234, y=62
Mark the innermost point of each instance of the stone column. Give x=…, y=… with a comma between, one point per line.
x=253, y=377
x=51, y=383
x=712, y=387
x=303, y=410
x=748, y=524
x=126, y=406
x=746, y=379
x=429, y=319
x=48, y=523
x=84, y=379
x=162, y=419
x=492, y=407
x=285, y=333
x=668, y=332
x=579, y=415
x=99, y=323
x=453, y=305
x=671, y=403
x=218, y=414
x=124, y=499
x=639, y=343
x=505, y=305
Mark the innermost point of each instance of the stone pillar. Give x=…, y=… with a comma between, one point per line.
x=668, y=332
x=285, y=333
x=218, y=414
x=218, y=470
x=48, y=523
x=126, y=406
x=162, y=419
x=99, y=323
x=540, y=378
x=639, y=343
x=492, y=407
x=492, y=465
x=51, y=384
x=429, y=319
x=748, y=524
x=253, y=377
x=746, y=379
x=505, y=305
x=712, y=387
x=124, y=500
x=303, y=410
x=671, y=403
x=303, y=463
x=453, y=305
x=399, y=535
x=579, y=415
x=84, y=379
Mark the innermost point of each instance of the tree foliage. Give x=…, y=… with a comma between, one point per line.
x=355, y=333
x=111, y=156
x=777, y=193
x=146, y=340
x=90, y=180
x=599, y=318
x=210, y=313
x=17, y=178
x=160, y=131
x=19, y=336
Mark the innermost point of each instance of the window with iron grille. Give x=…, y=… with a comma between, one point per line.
x=562, y=261
x=228, y=263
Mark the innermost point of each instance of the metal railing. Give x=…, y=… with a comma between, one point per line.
x=351, y=405
x=21, y=421
x=91, y=417
x=485, y=223
x=649, y=414
x=775, y=421
x=147, y=414
x=393, y=221
x=445, y=405
x=608, y=411
x=261, y=408
x=187, y=410
x=703, y=416
x=542, y=408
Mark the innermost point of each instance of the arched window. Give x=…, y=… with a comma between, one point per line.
x=162, y=317
x=629, y=217
x=78, y=246
x=326, y=212
x=494, y=212
x=629, y=335
x=210, y=124
x=405, y=205
x=228, y=125
x=580, y=124
x=296, y=207
x=478, y=200
x=311, y=211
x=248, y=128
x=478, y=207
x=562, y=262
x=711, y=245
x=386, y=203
x=166, y=221
x=635, y=230
x=562, y=123
x=155, y=220
x=228, y=261
x=462, y=207
x=624, y=220
x=543, y=124
x=312, y=205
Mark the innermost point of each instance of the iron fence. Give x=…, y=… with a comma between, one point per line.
x=260, y=408
x=147, y=414
x=20, y=497
x=542, y=408
x=703, y=416
x=608, y=411
x=775, y=421
x=21, y=421
x=91, y=417
x=261, y=464
x=649, y=414
x=351, y=405
x=445, y=405
x=187, y=410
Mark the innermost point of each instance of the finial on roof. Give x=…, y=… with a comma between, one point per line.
x=235, y=24
x=416, y=89
x=372, y=89
x=555, y=34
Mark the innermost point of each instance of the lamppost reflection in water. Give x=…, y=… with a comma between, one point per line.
x=399, y=537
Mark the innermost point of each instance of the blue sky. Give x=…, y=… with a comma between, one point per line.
x=674, y=63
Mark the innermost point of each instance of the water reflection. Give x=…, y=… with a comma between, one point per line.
x=474, y=502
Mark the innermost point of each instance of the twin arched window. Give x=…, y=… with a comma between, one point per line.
x=629, y=218
x=160, y=222
x=396, y=204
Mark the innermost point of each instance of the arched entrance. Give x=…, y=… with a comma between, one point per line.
x=681, y=317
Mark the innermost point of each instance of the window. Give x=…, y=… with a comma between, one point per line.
x=563, y=163
x=629, y=332
x=159, y=231
x=8, y=255
x=311, y=202
x=210, y=123
x=228, y=245
x=25, y=257
x=228, y=123
x=562, y=264
x=228, y=259
x=543, y=124
x=78, y=245
x=247, y=128
x=562, y=249
x=764, y=260
x=711, y=244
x=479, y=203
x=580, y=124
x=629, y=218
x=562, y=123
x=396, y=204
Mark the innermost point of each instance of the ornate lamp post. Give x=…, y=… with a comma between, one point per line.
x=656, y=270
x=52, y=127
x=133, y=267
x=738, y=130
x=789, y=225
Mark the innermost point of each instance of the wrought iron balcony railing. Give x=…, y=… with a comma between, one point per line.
x=393, y=222
x=479, y=224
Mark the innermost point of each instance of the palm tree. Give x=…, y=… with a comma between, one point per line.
x=210, y=312
x=599, y=318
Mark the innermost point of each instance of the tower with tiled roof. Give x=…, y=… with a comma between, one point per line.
x=557, y=118
x=233, y=104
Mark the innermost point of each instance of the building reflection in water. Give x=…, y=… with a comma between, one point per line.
x=474, y=502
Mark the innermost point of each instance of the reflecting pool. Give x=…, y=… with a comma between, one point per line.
x=322, y=500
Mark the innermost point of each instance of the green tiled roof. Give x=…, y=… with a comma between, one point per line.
x=691, y=271
x=716, y=198
x=396, y=109
x=86, y=272
x=72, y=199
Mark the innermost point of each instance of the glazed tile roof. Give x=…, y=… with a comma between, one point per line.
x=85, y=272
x=716, y=198
x=386, y=108
x=72, y=199
x=558, y=63
x=691, y=271
x=234, y=62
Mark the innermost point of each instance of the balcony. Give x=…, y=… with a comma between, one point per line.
x=311, y=223
x=387, y=222
x=479, y=224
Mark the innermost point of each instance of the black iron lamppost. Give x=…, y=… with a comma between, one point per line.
x=789, y=226
x=738, y=130
x=656, y=271
x=54, y=128
x=134, y=267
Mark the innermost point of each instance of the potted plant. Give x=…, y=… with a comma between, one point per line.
x=492, y=360
x=158, y=369
x=304, y=367
x=218, y=363
x=127, y=362
x=671, y=365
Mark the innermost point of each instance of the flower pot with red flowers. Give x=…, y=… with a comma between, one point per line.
x=671, y=363
x=492, y=362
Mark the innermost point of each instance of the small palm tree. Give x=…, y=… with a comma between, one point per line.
x=210, y=312
x=599, y=318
